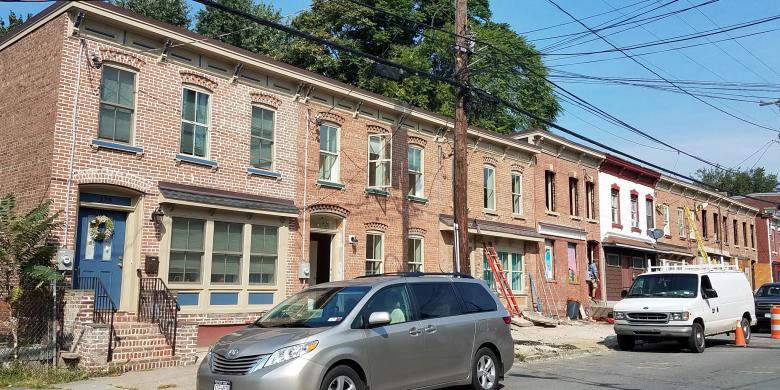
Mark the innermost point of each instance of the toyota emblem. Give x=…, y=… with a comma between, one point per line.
x=231, y=354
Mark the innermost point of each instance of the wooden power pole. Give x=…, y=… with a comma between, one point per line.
x=460, y=177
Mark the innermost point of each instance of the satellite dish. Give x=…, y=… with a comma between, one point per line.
x=656, y=233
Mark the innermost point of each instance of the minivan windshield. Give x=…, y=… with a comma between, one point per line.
x=314, y=308
x=665, y=286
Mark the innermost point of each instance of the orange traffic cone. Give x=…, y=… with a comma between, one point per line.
x=740, y=336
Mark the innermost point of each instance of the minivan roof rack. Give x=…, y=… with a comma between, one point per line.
x=693, y=267
x=419, y=274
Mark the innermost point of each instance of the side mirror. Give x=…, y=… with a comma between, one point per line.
x=378, y=318
x=624, y=293
x=710, y=293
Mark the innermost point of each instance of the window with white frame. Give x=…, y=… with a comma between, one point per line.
x=634, y=211
x=117, y=104
x=517, y=193
x=517, y=272
x=415, y=255
x=549, y=190
x=261, y=149
x=415, y=162
x=681, y=223
x=666, y=221
x=489, y=187
x=378, y=161
x=513, y=264
x=649, y=213
x=227, y=253
x=615, y=205
x=194, y=123
x=574, y=197
x=590, y=200
x=374, y=253
x=329, y=153
x=549, y=259
x=187, y=250
x=263, y=254
x=637, y=262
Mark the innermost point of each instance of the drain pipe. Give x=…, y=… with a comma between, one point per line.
x=82, y=44
x=305, y=186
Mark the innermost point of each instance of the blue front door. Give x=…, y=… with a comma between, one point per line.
x=102, y=258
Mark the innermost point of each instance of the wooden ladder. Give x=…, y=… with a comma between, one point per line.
x=500, y=277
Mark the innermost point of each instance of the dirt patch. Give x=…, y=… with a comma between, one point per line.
x=566, y=340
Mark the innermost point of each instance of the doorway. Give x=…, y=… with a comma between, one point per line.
x=100, y=249
x=320, y=257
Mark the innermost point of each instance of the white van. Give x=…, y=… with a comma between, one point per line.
x=684, y=303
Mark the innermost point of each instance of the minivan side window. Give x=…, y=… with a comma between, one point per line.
x=435, y=300
x=394, y=300
x=475, y=297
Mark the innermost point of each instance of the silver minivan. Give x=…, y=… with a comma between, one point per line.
x=404, y=331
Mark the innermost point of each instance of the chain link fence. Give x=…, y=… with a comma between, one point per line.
x=30, y=322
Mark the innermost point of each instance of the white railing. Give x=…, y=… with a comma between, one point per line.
x=694, y=267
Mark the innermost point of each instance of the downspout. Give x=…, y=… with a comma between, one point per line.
x=82, y=44
x=305, y=186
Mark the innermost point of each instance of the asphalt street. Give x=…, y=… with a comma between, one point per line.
x=660, y=366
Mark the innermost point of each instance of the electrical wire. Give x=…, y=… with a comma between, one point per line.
x=585, y=18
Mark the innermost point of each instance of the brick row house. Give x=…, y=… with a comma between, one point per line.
x=230, y=181
x=767, y=222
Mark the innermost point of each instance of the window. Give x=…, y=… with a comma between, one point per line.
x=691, y=235
x=415, y=161
x=475, y=298
x=650, y=214
x=615, y=205
x=261, y=149
x=514, y=270
x=549, y=190
x=681, y=223
x=378, y=161
x=666, y=221
x=415, y=254
x=736, y=233
x=574, y=197
x=744, y=234
x=435, y=300
x=227, y=252
x=752, y=236
x=634, y=211
x=549, y=259
x=704, y=224
x=263, y=254
x=725, y=228
x=186, y=255
x=637, y=262
x=487, y=271
x=517, y=193
x=590, y=200
x=194, y=123
x=716, y=226
x=571, y=257
x=516, y=273
x=329, y=153
x=117, y=104
x=374, y=254
x=394, y=300
x=613, y=260
x=489, y=188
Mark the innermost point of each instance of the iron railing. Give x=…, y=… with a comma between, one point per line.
x=158, y=305
x=104, y=307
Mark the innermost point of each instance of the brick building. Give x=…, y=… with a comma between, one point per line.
x=767, y=235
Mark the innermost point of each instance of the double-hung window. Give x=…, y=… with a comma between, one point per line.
x=666, y=222
x=574, y=197
x=716, y=226
x=374, y=253
x=329, y=153
x=378, y=161
x=117, y=104
x=635, y=211
x=415, y=161
x=590, y=200
x=704, y=224
x=517, y=193
x=489, y=187
x=194, y=123
x=549, y=190
x=415, y=254
x=650, y=214
x=186, y=256
x=263, y=254
x=736, y=232
x=615, y=206
x=227, y=252
x=681, y=223
x=261, y=149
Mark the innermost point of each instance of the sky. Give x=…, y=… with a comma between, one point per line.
x=676, y=118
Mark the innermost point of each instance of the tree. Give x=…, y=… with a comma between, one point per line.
x=740, y=182
x=242, y=32
x=14, y=21
x=170, y=11
x=25, y=256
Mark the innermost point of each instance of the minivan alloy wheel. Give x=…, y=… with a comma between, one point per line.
x=342, y=382
x=486, y=372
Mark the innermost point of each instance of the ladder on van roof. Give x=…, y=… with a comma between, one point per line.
x=500, y=277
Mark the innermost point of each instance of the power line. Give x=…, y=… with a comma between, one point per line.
x=585, y=18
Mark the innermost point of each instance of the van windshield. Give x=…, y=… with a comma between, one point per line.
x=665, y=286
x=314, y=308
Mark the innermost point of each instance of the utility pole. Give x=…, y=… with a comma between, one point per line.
x=460, y=176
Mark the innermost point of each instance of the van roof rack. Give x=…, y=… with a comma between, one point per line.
x=693, y=267
x=419, y=274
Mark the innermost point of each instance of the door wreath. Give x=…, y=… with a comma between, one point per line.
x=101, y=228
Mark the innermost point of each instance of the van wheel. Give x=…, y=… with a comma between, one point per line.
x=484, y=373
x=746, y=329
x=342, y=378
x=696, y=341
x=626, y=343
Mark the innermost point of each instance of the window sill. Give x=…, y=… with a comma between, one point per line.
x=196, y=161
x=252, y=171
x=552, y=213
x=331, y=184
x=636, y=229
x=617, y=226
x=669, y=236
x=550, y=280
x=518, y=217
x=490, y=212
x=117, y=146
x=593, y=221
x=377, y=191
x=417, y=199
x=575, y=218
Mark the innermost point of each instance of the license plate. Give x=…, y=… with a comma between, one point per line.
x=221, y=385
x=767, y=315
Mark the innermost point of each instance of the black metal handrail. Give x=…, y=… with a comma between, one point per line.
x=158, y=305
x=104, y=307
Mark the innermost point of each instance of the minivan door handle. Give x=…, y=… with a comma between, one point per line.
x=415, y=332
x=430, y=329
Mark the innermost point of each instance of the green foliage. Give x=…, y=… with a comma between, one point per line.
x=14, y=20
x=242, y=32
x=739, y=183
x=171, y=11
x=38, y=376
